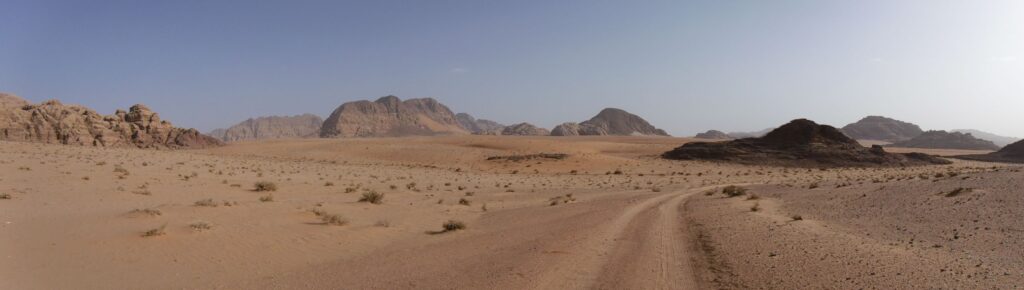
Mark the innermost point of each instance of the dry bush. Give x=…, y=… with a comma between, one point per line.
x=797, y=217
x=5, y=196
x=147, y=211
x=756, y=207
x=201, y=226
x=734, y=191
x=333, y=219
x=266, y=186
x=155, y=232
x=373, y=197
x=453, y=225
x=267, y=198
x=206, y=202
x=464, y=201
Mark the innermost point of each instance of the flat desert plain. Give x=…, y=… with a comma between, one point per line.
x=611, y=215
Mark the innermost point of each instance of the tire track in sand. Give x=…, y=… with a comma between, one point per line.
x=643, y=248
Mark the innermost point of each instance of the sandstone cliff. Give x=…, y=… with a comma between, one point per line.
x=55, y=122
x=390, y=116
x=272, y=127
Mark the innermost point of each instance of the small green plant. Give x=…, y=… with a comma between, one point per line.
x=266, y=186
x=373, y=197
x=734, y=191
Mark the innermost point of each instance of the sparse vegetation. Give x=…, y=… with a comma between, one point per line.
x=464, y=201
x=5, y=196
x=373, y=197
x=334, y=219
x=453, y=225
x=206, y=202
x=155, y=232
x=267, y=198
x=755, y=207
x=797, y=217
x=201, y=226
x=265, y=186
x=734, y=191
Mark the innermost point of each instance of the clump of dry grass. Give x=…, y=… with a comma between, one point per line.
x=734, y=191
x=267, y=198
x=755, y=207
x=453, y=225
x=155, y=232
x=5, y=196
x=372, y=196
x=206, y=202
x=266, y=186
x=464, y=201
x=147, y=211
x=797, y=217
x=333, y=219
x=201, y=226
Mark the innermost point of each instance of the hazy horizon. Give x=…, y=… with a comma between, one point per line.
x=685, y=66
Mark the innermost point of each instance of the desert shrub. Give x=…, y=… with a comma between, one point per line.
x=148, y=211
x=206, y=202
x=734, y=191
x=755, y=207
x=5, y=196
x=201, y=226
x=797, y=217
x=464, y=201
x=372, y=196
x=266, y=186
x=155, y=232
x=267, y=198
x=334, y=219
x=453, y=225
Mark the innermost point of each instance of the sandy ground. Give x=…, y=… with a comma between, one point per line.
x=610, y=216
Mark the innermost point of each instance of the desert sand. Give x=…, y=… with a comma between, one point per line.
x=611, y=215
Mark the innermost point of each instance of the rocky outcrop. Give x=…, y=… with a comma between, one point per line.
x=799, y=143
x=1000, y=141
x=882, y=129
x=478, y=126
x=574, y=129
x=947, y=140
x=610, y=121
x=391, y=117
x=55, y=122
x=524, y=129
x=9, y=101
x=714, y=135
x=273, y=127
x=1013, y=153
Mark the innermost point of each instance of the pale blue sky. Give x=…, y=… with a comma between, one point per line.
x=686, y=66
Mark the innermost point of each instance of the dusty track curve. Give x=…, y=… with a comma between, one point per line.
x=630, y=240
